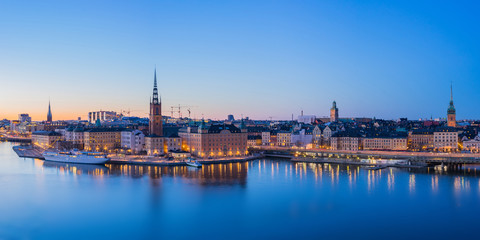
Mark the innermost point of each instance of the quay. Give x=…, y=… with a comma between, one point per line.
x=454, y=160
x=371, y=166
x=33, y=152
x=155, y=161
x=28, y=152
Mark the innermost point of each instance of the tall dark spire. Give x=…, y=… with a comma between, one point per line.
x=155, y=90
x=49, y=114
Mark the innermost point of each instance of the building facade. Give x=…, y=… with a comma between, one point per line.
x=445, y=139
x=346, y=141
x=45, y=139
x=421, y=140
x=385, y=143
x=216, y=140
x=102, y=139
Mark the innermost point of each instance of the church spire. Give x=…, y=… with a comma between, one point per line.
x=155, y=90
x=49, y=114
x=451, y=92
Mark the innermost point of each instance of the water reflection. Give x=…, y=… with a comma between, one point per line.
x=236, y=173
x=215, y=174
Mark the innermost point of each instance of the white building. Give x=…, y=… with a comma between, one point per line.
x=301, y=138
x=103, y=116
x=445, y=139
x=307, y=119
x=317, y=136
x=133, y=139
x=472, y=145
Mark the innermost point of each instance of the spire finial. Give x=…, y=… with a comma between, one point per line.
x=451, y=91
x=155, y=90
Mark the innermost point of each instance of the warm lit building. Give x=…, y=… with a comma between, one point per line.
x=346, y=140
x=421, y=140
x=385, y=143
x=284, y=139
x=445, y=139
x=472, y=145
x=216, y=140
x=254, y=141
x=45, y=139
x=102, y=139
x=133, y=140
x=155, y=145
x=317, y=136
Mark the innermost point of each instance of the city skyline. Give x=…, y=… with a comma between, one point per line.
x=302, y=57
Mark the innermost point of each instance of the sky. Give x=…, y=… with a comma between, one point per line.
x=261, y=59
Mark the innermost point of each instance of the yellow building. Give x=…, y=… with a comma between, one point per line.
x=102, y=139
x=45, y=139
x=217, y=140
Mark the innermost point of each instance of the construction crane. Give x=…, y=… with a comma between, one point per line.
x=178, y=109
x=127, y=112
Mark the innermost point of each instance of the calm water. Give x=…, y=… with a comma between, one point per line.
x=269, y=199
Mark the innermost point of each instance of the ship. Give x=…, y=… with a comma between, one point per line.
x=76, y=157
x=192, y=162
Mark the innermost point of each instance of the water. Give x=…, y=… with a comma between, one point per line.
x=263, y=199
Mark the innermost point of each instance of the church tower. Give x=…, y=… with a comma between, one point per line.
x=334, y=112
x=155, y=124
x=451, y=112
x=49, y=114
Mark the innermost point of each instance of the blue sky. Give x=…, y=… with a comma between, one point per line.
x=256, y=58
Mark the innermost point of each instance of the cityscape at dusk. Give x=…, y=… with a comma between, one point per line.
x=256, y=58
x=239, y=119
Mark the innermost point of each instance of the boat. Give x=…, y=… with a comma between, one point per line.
x=193, y=163
x=76, y=157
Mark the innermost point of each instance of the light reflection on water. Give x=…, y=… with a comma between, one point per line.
x=266, y=198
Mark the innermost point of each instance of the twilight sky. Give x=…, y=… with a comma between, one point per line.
x=257, y=58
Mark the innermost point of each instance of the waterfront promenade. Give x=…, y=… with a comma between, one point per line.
x=412, y=157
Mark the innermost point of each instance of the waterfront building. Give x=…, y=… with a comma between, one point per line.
x=216, y=140
x=317, y=136
x=155, y=145
x=346, y=140
x=302, y=138
x=334, y=112
x=102, y=139
x=451, y=112
x=102, y=116
x=284, y=138
x=385, y=143
x=49, y=114
x=328, y=132
x=133, y=140
x=421, y=140
x=254, y=140
x=445, y=139
x=45, y=139
x=173, y=143
x=269, y=138
x=472, y=145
